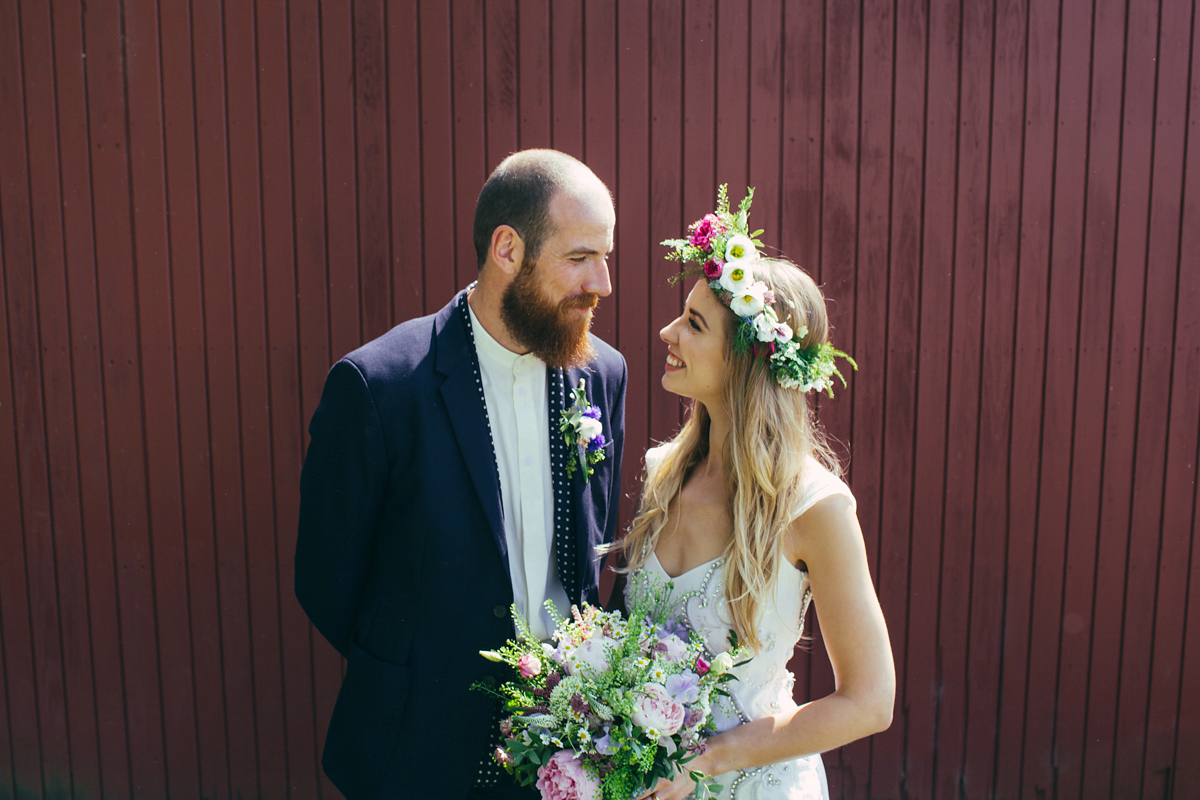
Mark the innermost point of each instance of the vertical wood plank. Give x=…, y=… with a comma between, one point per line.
x=566, y=76
x=371, y=166
x=220, y=240
x=955, y=773
x=992, y=576
x=124, y=409
x=404, y=132
x=1160, y=539
x=667, y=165
x=732, y=54
x=764, y=66
x=803, y=42
x=437, y=155
x=1092, y=390
x=294, y=727
x=535, y=50
x=39, y=349
x=1050, y=627
x=254, y=550
x=470, y=135
x=933, y=537
x=17, y=635
x=151, y=249
x=336, y=31
x=1119, y=614
x=501, y=36
x=1182, y=502
x=1025, y=546
x=90, y=430
x=317, y=667
x=190, y=387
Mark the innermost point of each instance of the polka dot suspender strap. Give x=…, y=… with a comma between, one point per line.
x=566, y=549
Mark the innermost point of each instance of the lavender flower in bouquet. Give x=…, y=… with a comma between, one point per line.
x=614, y=704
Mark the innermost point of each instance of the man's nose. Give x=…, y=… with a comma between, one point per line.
x=599, y=281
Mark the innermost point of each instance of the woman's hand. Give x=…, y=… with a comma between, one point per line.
x=678, y=789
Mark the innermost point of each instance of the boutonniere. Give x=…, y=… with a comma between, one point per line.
x=583, y=433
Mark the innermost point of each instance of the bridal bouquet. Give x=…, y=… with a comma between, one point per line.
x=616, y=703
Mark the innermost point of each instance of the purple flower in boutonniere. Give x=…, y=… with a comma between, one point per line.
x=583, y=433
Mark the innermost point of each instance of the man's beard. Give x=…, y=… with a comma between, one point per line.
x=550, y=330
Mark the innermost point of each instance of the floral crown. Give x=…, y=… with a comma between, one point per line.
x=723, y=244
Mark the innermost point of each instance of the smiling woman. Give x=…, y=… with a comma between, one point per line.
x=744, y=513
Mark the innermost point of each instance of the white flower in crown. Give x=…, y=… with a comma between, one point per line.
x=739, y=248
x=765, y=327
x=736, y=278
x=783, y=332
x=749, y=301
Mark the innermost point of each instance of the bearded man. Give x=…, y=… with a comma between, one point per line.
x=438, y=490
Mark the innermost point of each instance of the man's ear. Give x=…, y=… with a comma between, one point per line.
x=507, y=250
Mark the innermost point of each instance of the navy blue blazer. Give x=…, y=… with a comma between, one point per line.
x=401, y=558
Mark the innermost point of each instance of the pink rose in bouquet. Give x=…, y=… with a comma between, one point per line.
x=563, y=778
x=657, y=710
x=529, y=665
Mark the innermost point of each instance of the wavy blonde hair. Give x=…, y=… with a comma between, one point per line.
x=773, y=432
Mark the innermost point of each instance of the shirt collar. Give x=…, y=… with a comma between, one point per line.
x=494, y=352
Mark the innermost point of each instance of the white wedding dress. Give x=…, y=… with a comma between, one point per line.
x=764, y=684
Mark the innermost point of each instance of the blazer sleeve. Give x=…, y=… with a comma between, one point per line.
x=342, y=487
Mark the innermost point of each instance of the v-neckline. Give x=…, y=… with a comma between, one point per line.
x=686, y=572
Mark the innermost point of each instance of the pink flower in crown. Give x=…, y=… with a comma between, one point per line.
x=703, y=231
x=563, y=778
x=713, y=268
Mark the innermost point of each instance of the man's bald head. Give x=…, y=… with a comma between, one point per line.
x=518, y=194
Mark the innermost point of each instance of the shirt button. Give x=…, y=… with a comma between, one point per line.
x=500, y=611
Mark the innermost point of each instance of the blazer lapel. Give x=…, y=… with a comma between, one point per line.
x=457, y=359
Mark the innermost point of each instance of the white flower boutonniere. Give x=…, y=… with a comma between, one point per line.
x=583, y=433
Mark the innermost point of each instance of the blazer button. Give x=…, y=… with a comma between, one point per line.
x=500, y=611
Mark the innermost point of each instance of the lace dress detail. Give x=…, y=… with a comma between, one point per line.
x=764, y=684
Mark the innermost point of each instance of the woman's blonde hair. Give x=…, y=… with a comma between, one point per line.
x=773, y=431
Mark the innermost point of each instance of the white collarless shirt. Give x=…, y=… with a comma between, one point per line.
x=514, y=390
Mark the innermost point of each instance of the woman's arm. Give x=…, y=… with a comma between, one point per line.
x=828, y=539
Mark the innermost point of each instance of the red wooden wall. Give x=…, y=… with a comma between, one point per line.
x=203, y=204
